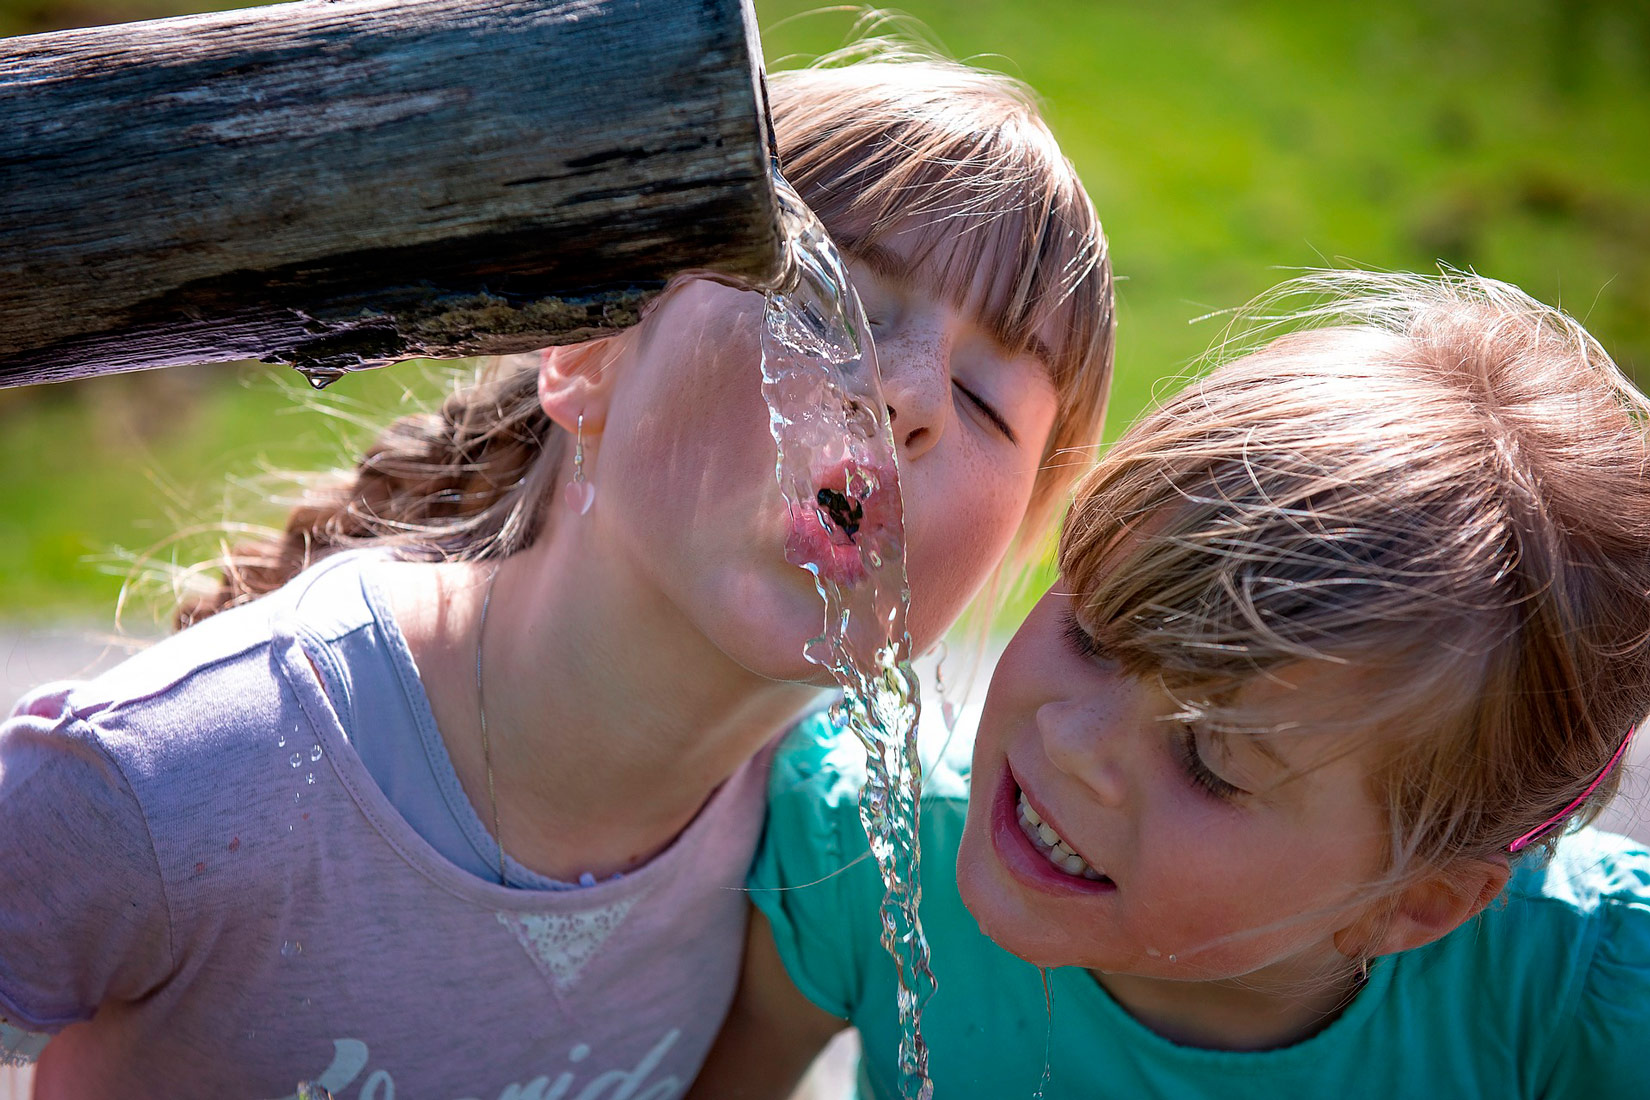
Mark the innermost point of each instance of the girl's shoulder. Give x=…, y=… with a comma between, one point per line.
x=1566, y=922
x=179, y=721
x=1590, y=874
x=1594, y=892
x=231, y=645
x=813, y=876
x=1563, y=959
x=1602, y=882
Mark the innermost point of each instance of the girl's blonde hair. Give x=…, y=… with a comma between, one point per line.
x=1441, y=486
x=895, y=140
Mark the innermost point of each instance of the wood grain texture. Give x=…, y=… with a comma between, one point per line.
x=340, y=184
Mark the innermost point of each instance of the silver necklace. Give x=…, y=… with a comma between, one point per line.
x=481, y=710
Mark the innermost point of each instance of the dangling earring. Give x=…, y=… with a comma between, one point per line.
x=580, y=493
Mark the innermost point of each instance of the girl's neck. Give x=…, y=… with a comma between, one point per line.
x=610, y=720
x=1255, y=1012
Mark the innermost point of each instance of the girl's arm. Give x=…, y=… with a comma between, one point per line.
x=772, y=1032
x=84, y=915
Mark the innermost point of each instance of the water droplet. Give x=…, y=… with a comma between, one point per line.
x=291, y=949
x=281, y=743
x=318, y=376
x=1154, y=952
x=1174, y=958
x=296, y=795
x=297, y=758
x=314, y=753
x=305, y=1002
x=312, y=777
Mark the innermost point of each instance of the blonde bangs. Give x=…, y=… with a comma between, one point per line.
x=957, y=163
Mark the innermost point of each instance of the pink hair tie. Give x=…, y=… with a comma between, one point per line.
x=1545, y=827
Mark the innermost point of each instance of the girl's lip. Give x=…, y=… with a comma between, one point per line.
x=1024, y=863
x=810, y=545
x=836, y=553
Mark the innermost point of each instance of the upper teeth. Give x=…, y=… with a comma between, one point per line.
x=1052, y=845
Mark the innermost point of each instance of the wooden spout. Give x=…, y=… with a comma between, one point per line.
x=345, y=183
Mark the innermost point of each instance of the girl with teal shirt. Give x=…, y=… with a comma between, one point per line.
x=1277, y=779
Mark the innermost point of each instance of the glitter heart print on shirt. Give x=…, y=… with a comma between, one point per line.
x=562, y=945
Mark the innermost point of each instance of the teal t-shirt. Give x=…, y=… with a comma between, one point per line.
x=1547, y=994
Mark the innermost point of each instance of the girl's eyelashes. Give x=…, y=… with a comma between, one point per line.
x=988, y=412
x=1080, y=640
x=1199, y=772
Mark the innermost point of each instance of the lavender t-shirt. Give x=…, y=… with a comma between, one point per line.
x=203, y=892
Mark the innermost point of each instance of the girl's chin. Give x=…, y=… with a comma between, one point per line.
x=1008, y=914
x=784, y=662
x=1016, y=933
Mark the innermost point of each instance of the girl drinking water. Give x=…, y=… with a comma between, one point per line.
x=452, y=792
x=1279, y=778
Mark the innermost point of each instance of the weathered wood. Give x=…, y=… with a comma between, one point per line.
x=341, y=184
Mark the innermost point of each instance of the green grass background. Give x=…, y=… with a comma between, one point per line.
x=1224, y=144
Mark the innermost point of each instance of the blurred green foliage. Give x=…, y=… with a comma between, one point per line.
x=1225, y=144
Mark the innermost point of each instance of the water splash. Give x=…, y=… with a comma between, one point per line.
x=838, y=473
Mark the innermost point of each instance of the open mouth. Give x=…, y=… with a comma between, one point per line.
x=1052, y=844
x=844, y=512
x=851, y=526
x=1032, y=850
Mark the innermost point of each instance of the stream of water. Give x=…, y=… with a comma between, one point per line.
x=839, y=476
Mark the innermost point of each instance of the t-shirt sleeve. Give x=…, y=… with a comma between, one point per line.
x=813, y=877
x=1607, y=1049
x=83, y=913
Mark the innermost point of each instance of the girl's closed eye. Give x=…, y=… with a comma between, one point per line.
x=985, y=409
x=1079, y=639
x=1199, y=772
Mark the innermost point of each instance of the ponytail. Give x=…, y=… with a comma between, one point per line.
x=460, y=484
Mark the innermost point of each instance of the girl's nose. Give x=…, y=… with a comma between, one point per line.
x=1079, y=740
x=916, y=383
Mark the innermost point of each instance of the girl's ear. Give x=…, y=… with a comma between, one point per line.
x=577, y=379
x=1431, y=908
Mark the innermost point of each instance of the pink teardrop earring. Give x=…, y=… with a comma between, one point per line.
x=580, y=494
